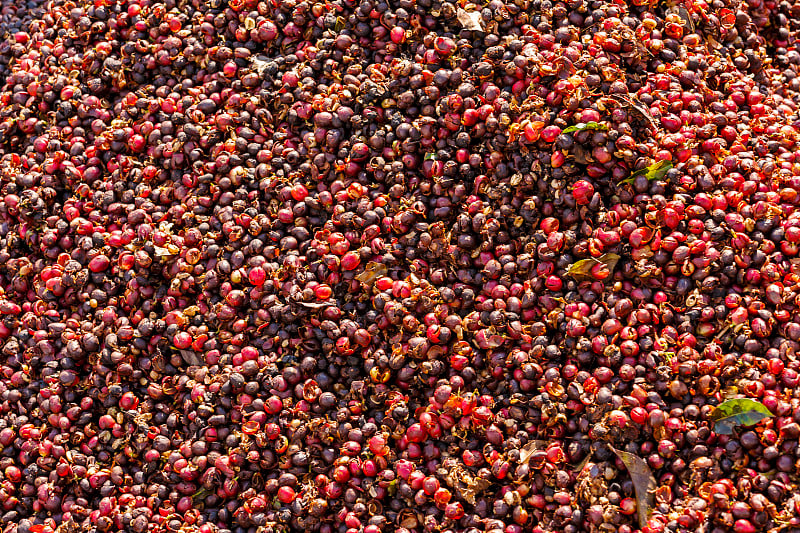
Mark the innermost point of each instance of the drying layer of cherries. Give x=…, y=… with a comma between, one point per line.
x=419, y=266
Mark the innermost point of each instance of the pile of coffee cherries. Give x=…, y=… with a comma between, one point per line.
x=423, y=266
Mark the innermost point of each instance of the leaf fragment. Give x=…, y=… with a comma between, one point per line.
x=163, y=252
x=313, y=305
x=581, y=126
x=260, y=64
x=373, y=271
x=637, y=105
x=466, y=485
x=191, y=358
x=527, y=451
x=738, y=412
x=470, y=20
x=340, y=24
x=585, y=268
x=656, y=171
x=644, y=484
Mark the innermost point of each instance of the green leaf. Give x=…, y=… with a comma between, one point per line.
x=656, y=171
x=644, y=484
x=738, y=412
x=582, y=270
x=200, y=495
x=580, y=126
x=430, y=156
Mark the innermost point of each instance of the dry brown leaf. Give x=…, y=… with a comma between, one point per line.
x=372, y=272
x=644, y=484
x=465, y=484
x=470, y=20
